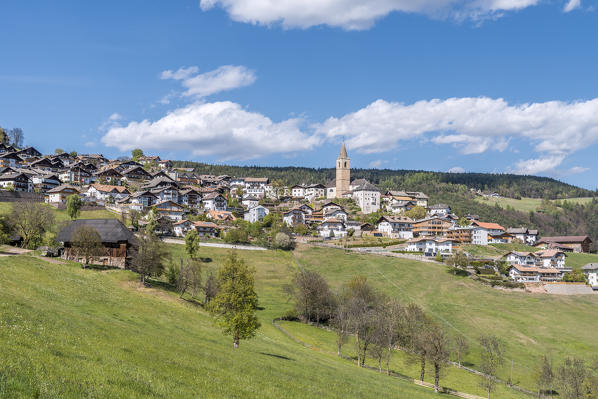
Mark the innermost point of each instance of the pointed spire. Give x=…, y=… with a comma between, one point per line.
x=343, y=153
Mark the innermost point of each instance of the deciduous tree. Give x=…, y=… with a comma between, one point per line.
x=236, y=302
x=73, y=206
x=87, y=243
x=148, y=258
x=492, y=359
x=189, y=277
x=545, y=376
x=192, y=244
x=31, y=220
x=460, y=347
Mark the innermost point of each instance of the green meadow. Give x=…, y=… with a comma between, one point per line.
x=525, y=204
x=68, y=332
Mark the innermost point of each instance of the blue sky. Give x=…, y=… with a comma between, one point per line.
x=484, y=85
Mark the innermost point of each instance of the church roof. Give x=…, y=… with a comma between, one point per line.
x=343, y=153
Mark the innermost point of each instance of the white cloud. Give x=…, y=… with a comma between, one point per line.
x=376, y=163
x=475, y=125
x=222, y=129
x=356, y=14
x=111, y=121
x=226, y=77
x=572, y=5
x=456, y=169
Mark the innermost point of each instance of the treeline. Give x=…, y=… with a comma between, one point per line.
x=507, y=185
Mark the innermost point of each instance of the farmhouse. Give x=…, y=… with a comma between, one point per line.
x=566, y=243
x=117, y=241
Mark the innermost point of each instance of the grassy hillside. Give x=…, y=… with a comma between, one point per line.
x=61, y=215
x=71, y=333
x=529, y=324
x=525, y=204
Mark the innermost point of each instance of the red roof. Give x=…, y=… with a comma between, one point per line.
x=488, y=225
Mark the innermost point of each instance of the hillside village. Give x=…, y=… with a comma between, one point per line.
x=147, y=188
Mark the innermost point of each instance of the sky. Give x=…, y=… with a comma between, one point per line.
x=500, y=86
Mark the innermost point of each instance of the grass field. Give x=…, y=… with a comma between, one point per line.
x=529, y=324
x=61, y=215
x=71, y=333
x=68, y=332
x=524, y=204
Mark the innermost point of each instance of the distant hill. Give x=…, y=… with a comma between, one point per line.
x=508, y=185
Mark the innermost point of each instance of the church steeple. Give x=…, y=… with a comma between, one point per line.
x=343, y=172
x=343, y=153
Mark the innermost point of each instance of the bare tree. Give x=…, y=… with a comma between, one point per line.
x=31, y=220
x=415, y=327
x=437, y=350
x=86, y=243
x=460, y=347
x=544, y=376
x=313, y=298
x=571, y=379
x=340, y=318
x=16, y=137
x=362, y=299
x=492, y=359
x=148, y=258
x=189, y=278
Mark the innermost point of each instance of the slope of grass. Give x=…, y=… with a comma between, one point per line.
x=576, y=261
x=525, y=204
x=529, y=324
x=61, y=215
x=495, y=250
x=71, y=333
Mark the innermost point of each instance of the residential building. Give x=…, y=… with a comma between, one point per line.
x=170, y=209
x=367, y=196
x=523, y=234
x=395, y=227
x=439, y=209
x=250, y=201
x=256, y=214
x=432, y=226
x=591, y=272
x=182, y=227
x=58, y=195
x=527, y=274
x=430, y=246
x=460, y=234
x=214, y=202
x=293, y=217
x=332, y=228
x=105, y=192
x=298, y=191
x=207, y=229
x=221, y=216
x=17, y=181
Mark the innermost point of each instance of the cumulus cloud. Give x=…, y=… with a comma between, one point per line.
x=376, y=163
x=226, y=77
x=357, y=14
x=456, y=169
x=111, y=121
x=474, y=125
x=572, y=5
x=223, y=129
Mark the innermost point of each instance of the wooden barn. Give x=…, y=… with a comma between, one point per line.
x=117, y=241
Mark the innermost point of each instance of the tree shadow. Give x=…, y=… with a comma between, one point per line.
x=205, y=260
x=276, y=356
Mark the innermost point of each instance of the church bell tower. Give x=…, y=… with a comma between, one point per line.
x=343, y=172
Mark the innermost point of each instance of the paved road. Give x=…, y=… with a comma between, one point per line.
x=216, y=245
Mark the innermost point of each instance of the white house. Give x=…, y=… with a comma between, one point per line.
x=591, y=272
x=256, y=214
x=367, y=196
x=527, y=274
x=170, y=210
x=332, y=228
x=102, y=192
x=395, y=227
x=182, y=227
x=440, y=210
x=214, y=202
x=524, y=235
x=315, y=191
x=58, y=195
x=293, y=217
x=298, y=191
x=430, y=246
x=18, y=181
x=551, y=258
x=338, y=214
x=250, y=201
